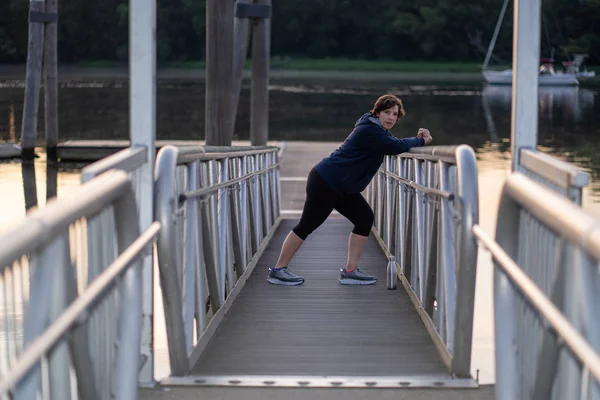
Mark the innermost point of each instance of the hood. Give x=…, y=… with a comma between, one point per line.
x=365, y=119
x=368, y=118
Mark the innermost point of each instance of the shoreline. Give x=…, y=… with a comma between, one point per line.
x=79, y=73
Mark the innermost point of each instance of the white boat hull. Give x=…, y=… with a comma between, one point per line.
x=556, y=79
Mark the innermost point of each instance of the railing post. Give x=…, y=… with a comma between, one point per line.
x=214, y=233
x=447, y=301
x=468, y=194
x=200, y=267
x=505, y=298
x=208, y=240
x=255, y=206
x=36, y=318
x=401, y=221
x=273, y=187
x=387, y=234
x=190, y=262
x=62, y=292
x=236, y=233
x=127, y=359
x=419, y=279
x=264, y=185
x=244, y=214
x=225, y=253
x=166, y=206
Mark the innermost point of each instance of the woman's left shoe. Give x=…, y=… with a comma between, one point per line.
x=356, y=277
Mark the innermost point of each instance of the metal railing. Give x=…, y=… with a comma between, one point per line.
x=131, y=160
x=546, y=292
x=218, y=207
x=425, y=203
x=560, y=176
x=70, y=331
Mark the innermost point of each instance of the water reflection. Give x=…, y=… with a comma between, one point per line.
x=552, y=100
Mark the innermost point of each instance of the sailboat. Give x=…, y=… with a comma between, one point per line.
x=548, y=75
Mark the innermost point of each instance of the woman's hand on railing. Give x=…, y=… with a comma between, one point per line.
x=424, y=133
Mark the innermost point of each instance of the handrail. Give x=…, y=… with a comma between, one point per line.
x=41, y=226
x=554, y=211
x=418, y=204
x=48, y=245
x=134, y=161
x=528, y=288
x=563, y=177
x=217, y=210
x=554, y=170
x=80, y=308
x=546, y=254
x=128, y=159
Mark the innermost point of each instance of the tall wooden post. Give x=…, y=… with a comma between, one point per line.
x=51, y=179
x=241, y=35
x=219, y=72
x=33, y=78
x=29, y=184
x=51, y=85
x=259, y=104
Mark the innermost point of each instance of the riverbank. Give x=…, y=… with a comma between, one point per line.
x=83, y=73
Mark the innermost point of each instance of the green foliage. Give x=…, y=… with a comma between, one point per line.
x=383, y=30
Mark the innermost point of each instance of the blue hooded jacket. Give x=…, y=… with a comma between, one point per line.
x=350, y=168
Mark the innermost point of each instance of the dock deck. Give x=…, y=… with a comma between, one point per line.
x=321, y=339
x=321, y=327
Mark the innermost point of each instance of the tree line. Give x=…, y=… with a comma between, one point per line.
x=419, y=30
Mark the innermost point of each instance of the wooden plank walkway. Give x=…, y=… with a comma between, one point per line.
x=321, y=327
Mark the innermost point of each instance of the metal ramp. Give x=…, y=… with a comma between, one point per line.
x=321, y=333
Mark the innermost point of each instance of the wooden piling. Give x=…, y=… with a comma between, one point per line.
x=241, y=35
x=259, y=104
x=51, y=179
x=51, y=85
x=29, y=184
x=219, y=72
x=32, y=80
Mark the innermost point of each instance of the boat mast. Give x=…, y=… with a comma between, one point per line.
x=495, y=36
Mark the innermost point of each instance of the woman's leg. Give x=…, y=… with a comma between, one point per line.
x=358, y=211
x=291, y=244
x=356, y=246
x=320, y=199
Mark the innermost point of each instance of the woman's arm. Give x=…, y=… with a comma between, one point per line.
x=378, y=140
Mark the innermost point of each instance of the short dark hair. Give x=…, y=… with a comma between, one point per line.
x=386, y=102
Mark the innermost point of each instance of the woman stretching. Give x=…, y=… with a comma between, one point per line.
x=336, y=182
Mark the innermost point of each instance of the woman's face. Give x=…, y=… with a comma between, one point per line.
x=389, y=117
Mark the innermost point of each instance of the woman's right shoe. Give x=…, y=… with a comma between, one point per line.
x=283, y=276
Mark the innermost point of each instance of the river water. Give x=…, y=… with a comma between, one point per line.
x=321, y=110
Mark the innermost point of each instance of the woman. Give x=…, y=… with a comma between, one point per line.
x=336, y=182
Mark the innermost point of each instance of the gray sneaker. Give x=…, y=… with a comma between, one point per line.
x=283, y=276
x=356, y=277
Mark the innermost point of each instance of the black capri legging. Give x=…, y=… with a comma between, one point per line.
x=321, y=200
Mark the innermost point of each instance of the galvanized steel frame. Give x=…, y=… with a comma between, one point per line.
x=221, y=205
x=425, y=203
x=53, y=299
x=565, y=349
